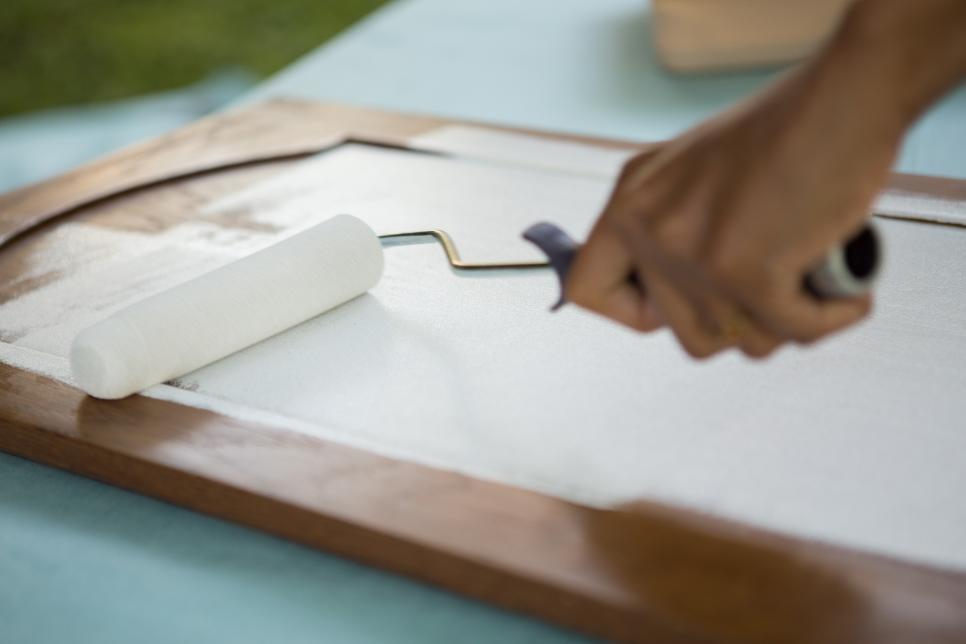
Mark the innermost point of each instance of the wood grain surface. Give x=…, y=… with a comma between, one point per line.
x=638, y=573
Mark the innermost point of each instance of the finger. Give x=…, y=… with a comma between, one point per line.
x=738, y=328
x=755, y=342
x=691, y=328
x=599, y=280
x=630, y=173
x=794, y=314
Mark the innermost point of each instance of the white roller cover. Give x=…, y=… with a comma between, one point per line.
x=205, y=319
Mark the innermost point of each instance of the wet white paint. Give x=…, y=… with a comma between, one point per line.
x=858, y=441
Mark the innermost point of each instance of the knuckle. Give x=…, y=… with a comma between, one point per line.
x=807, y=336
x=676, y=237
x=728, y=267
x=646, y=325
x=759, y=350
x=631, y=166
x=630, y=219
x=583, y=295
x=772, y=311
x=699, y=350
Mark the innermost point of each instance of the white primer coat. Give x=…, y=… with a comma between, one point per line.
x=216, y=314
x=857, y=441
x=484, y=144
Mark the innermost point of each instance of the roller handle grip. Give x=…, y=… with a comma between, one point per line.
x=848, y=270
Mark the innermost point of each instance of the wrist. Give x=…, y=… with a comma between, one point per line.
x=852, y=92
x=897, y=56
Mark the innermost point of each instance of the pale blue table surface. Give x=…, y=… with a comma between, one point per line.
x=83, y=562
x=583, y=66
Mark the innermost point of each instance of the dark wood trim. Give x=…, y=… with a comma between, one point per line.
x=642, y=573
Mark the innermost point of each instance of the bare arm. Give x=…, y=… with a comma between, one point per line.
x=720, y=223
x=914, y=51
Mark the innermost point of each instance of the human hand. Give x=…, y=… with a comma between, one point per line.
x=720, y=225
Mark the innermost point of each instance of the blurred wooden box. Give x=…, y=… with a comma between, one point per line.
x=708, y=35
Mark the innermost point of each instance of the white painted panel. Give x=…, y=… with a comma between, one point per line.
x=860, y=440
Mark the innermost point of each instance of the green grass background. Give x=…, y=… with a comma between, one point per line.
x=58, y=52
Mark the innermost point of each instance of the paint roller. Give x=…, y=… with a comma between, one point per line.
x=218, y=313
x=191, y=325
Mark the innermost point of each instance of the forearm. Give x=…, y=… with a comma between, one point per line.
x=902, y=54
